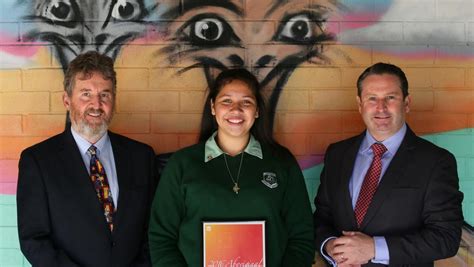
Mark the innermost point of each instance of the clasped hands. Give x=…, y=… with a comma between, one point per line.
x=351, y=249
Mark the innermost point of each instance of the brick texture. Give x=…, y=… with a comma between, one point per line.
x=448, y=77
x=57, y=105
x=192, y=101
x=333, y=100
x=388, y=53
x=422, y=100
x=470, y=78
x=294, y=100
x=43, y=125
x=168, y=79
x=315, y=78
x=10, y=125
x=8, y=171
x=132, y=79
x=321, y=122
x=428, y=122
x=10, y=80
x=382, y=32
x=350, y=76
x=319, y=142
x=421, y=32
x=187, y=140
x=131, y=123
x=352, y=123
x=454, y=101
x=24, y=102
x=142, y=56
x=43, y=80
x=147, y=101
x=166, y=123
x=12, y=146
x=297, y=143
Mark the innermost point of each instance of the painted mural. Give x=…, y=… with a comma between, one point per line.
x=306, y=53
x=230, y=35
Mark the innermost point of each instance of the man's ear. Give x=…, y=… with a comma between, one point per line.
x=359, y=103
x=66, y=100
x=407, y=103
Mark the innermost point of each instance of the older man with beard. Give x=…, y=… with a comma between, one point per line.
x=84, y=195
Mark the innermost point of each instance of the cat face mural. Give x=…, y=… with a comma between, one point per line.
x=72, y=27
x=233, y=33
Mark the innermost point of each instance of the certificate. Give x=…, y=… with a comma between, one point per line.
x=234, y=244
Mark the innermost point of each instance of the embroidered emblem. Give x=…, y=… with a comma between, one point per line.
x=269, y=179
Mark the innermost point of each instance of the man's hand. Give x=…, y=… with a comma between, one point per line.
x=329, y=248
x=351, y=249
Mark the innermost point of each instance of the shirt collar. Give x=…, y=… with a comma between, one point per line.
x=212, y=150
x=392, y=143
x=84, y=145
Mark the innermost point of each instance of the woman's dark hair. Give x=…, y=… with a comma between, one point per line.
x=261, y=127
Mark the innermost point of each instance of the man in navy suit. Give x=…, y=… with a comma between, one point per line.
x=387, y=197
x=84, y=195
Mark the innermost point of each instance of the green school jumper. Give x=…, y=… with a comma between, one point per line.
x=196, y=186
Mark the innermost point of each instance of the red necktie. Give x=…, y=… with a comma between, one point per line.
x=370, y=183
x=102, y=188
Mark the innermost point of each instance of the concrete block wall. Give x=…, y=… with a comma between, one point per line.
x=161, y=95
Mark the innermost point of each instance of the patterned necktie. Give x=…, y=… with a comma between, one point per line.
x=102, y=188
x=370, y=183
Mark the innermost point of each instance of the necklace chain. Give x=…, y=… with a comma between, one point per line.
x=235, y=188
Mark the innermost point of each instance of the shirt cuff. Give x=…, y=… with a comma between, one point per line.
x=381, y=251
x=323, y=253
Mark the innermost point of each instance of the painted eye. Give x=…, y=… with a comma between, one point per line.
x=297, y=28
x=58, y=10
x=127, y=10
x=301, y=29
x=208, y=29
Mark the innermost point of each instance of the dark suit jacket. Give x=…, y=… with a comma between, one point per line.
x=60, y=219
x=417, y=205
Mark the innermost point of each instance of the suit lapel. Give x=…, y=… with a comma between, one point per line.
x=346, y=174
x=123, y=166
x=77, y=184
x=395, y=170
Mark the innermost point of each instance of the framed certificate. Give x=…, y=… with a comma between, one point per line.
x=239, y=243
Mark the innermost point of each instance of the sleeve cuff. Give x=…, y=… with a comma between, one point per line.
x=323, y=253
x=381, y=251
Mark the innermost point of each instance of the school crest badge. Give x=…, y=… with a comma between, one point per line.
x=269, y=179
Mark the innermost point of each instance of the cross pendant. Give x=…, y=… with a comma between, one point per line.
x=236, y=188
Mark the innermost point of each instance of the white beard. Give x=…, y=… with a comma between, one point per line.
x=94, y=133
x=86, y=130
